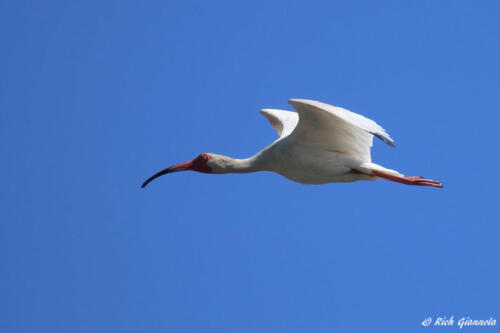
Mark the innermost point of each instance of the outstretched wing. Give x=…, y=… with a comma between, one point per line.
x=338, y=129
x=283, y=121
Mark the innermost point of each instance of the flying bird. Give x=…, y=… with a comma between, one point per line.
x=318, y=144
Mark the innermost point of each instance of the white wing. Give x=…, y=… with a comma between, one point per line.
x=283, y=121
x=338, y=129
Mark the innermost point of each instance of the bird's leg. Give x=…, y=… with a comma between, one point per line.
x=414, y=180
x=413, y=177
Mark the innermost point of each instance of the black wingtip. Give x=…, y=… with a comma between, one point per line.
x=385, y=139
x=388, y=141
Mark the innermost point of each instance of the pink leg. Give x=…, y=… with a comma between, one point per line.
x=407, y=180
x=414, y=177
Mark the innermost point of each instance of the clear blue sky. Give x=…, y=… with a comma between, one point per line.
x=96, y=96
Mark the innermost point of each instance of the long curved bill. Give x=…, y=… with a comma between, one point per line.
x=179, y=167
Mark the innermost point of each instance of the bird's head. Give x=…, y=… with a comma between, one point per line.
x=205, y=163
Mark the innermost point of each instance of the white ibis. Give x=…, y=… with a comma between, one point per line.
x=318, y=144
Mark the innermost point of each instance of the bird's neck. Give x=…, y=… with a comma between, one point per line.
x=244, y=165
x=234, y=165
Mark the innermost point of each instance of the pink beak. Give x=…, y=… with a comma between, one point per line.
x=179, y=167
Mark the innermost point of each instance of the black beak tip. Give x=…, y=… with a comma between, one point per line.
x=147, y=182
x=161, y=173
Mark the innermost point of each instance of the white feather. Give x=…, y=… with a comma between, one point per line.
x=283, y=121
x=336, y=128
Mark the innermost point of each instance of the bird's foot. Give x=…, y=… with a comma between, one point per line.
x=417, y=180
x=413, y=177
x=412, y=180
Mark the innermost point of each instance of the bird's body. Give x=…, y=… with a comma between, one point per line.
x=318, y=144
x=307, y=163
